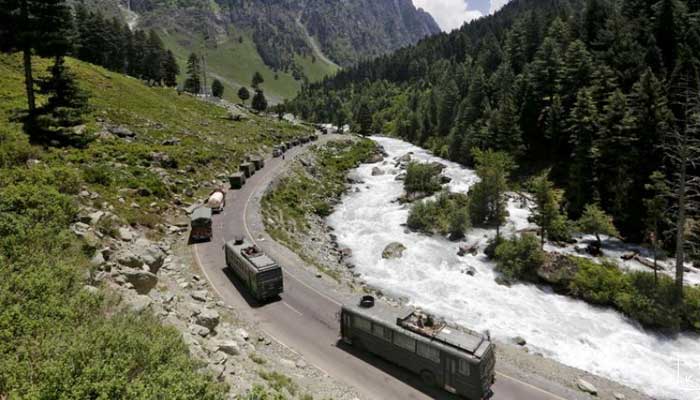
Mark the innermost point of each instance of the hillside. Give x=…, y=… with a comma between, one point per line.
x=592, y=89
x=75, y=321
x=292, y=42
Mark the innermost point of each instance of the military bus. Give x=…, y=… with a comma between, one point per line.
x=259, y=273
x=458, y=360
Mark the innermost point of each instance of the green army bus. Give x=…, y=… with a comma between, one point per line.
x=261, y=275
x=458, y=360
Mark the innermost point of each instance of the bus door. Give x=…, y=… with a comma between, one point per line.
x=450, y=372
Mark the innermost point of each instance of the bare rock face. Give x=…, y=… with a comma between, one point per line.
x=393, y=250
x=143, y=281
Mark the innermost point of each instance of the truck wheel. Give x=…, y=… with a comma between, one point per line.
x=427, y=377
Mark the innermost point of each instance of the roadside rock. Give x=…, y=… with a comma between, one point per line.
x=143, y=281
x=143, y=251
x=229, y=347
x=393, y=250
x=243, y=334
x=125, y=234
x=586, y=387
x=199, y=295
x=206, y=317
x=139, y=303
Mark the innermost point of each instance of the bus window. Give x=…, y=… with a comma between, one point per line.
x=381, y=332
x=404, y=342
x=463, y=367
x=429, y=352
x=362, y=324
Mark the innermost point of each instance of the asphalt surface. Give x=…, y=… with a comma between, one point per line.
x=305, y=317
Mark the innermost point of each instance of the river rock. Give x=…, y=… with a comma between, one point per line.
x=519, y=340
x=586, y=387
x=376, y=171
x=143, y=281
x=374, y=158
x=393, y=250
x=558, y=269
x=619, y=396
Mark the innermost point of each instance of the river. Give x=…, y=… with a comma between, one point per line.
x=430, y=275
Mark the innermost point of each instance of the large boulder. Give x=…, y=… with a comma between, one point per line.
x=393, y=250
x=143, y=281
x=557, y=269
x=142, y=252
x=375, y=158
x=229, y=347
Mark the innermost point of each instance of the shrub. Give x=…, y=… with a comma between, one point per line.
x=650, y=304
x=421, y=178
x=519, y=257
x=448, y=214
x=597, y=283
x=99, y=174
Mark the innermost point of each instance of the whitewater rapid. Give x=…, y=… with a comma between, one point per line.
x=429, y=275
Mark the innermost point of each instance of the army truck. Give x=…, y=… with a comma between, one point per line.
x=261, y=275
x=200, y=221
x=458, y=360
x=248, y=169
x=258, y=162
x=237, y=180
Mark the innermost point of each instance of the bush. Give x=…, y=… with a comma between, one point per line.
x=421, y=178
x=650, y=304
x=597, y=283
x=448, y=214
x=519, y=257
x=99, y=174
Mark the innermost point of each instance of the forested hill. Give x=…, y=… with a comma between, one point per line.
x=591, y=88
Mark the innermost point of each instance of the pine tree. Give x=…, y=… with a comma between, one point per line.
x=546, y=212
x=217, y=88
x=596, y=222
x=34, y=27
x=257, y=80
x=193, y=83
x=154, y=58
x=487, y=201
x=259, y=102
x=171, y=69
x=507, y=135
x=583, y=128
x=363, y=120
x=66, y=101
x=446, y=107
x=656, y=208
x=243, y=94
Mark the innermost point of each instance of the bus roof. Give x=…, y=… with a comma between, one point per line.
x=201, y=213
x=252, y=254
x=403, y=319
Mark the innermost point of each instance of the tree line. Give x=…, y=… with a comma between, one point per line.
x=602, y=92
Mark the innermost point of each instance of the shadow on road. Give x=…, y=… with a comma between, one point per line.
x=397, y=372
x=245, y=293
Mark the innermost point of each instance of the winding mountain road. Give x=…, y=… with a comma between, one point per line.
x=305, y=318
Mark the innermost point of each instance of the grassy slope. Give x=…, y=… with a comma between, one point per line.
x=236, y=62
x=55, y=338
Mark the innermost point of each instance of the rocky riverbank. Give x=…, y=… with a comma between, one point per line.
x=318, y=244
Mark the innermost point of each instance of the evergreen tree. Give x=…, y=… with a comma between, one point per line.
x=507, y=135
x=257, y=80
x=243, y=94
x=657, y=208
x=596, y=222
x=487, y=201
x=217, y=88
x=583, y=127
x=363, y=120
x=154, y=58
x=170, y=69
x=546, y=212
x=34, y=27
x=193, y=83
x=66, y=101
x=446, y=107
x=259, y=102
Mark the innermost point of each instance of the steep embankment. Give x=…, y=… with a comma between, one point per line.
x=90, y=247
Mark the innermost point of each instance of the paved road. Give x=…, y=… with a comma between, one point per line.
x=305, y=318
